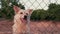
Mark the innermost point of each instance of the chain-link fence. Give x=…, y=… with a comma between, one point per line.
x=44, y=27
x=40, y=4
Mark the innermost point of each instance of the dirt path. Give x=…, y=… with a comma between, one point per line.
x=41, y=27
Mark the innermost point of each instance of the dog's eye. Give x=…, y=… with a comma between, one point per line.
x=26, y=13
x=21, y=13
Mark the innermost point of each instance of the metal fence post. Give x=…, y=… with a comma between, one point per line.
x=28, y=24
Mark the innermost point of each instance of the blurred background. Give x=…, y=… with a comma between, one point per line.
x=42, y=9
x=45, y=16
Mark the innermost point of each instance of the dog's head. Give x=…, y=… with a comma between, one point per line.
x=22, y=13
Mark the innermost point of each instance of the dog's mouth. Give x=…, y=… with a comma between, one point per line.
x=24, y=19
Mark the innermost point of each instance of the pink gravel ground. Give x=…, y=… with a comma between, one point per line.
x=36, y=27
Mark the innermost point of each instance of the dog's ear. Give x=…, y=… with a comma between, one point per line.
x=16, y=9
x=30, y=11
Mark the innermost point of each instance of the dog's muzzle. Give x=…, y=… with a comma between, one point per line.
x=25, y=17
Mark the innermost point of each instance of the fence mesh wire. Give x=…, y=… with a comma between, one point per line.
x=42, y=27
x=38, y=4
x=41, y=4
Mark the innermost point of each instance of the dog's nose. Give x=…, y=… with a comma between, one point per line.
x=25, y=17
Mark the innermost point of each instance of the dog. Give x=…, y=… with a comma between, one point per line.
x=20, y=20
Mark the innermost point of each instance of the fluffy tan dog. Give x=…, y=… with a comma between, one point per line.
x=20, y=20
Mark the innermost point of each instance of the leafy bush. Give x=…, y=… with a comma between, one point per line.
x=39, y=14
x=54, y=10
x=53, y=13
x=7, y=11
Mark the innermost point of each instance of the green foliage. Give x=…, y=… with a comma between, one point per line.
x=7, y=11
x=39, y=14
x=53, y=13
x=19, y=5
x=54, y=10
